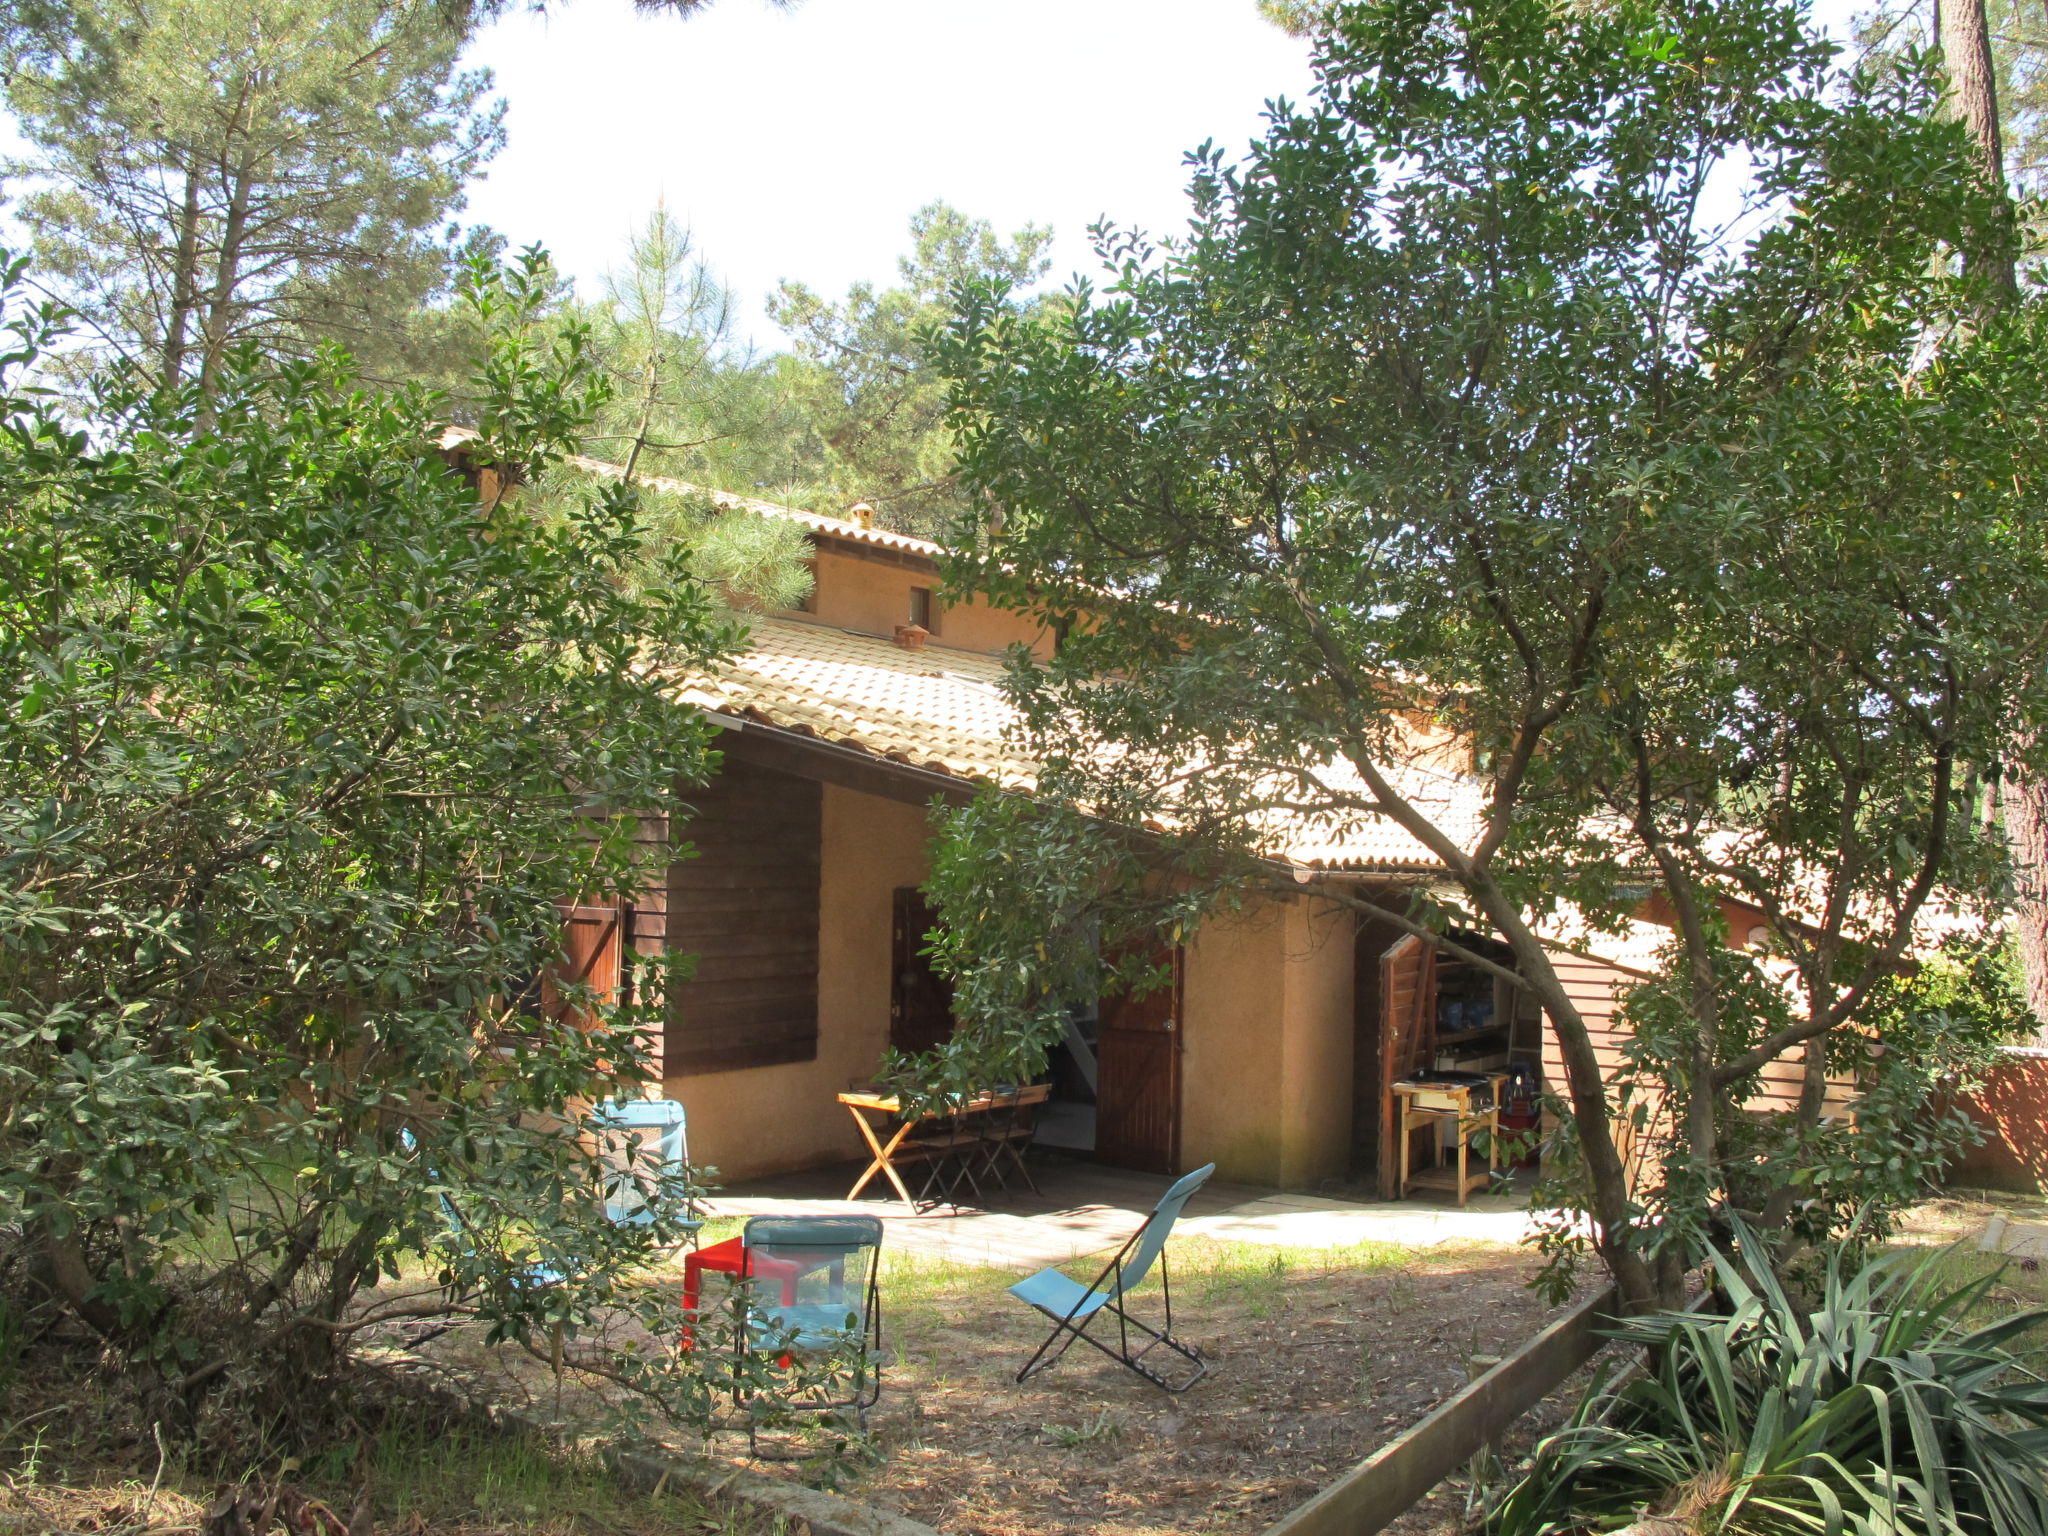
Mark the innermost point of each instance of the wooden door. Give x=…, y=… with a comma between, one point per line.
x=920, y=999
x=593, y=956
x=1407, y=1037
x=1137, y=1096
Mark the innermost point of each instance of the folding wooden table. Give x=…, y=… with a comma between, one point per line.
x=873, y=1112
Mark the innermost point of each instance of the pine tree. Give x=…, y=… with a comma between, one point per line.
x=877, y=411
x=207, y=172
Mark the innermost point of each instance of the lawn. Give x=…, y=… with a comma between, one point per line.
x=1318, y=1356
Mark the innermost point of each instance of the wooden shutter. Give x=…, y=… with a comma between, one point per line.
x=1137, y=1098
x=1407, y=1035
x=746, y=907
x=920, y=999
x=593, y=950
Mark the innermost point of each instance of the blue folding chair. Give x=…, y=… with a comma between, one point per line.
x=1072, y=1306
x=625, y=1195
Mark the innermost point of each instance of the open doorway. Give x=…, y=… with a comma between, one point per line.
x=1067, y=1122
x=1422, y=1013
x=1114, y=1074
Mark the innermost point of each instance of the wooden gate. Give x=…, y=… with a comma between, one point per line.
x=593, y=955
x=920, y=999
x=1407, y=1036
x=1137, y=1099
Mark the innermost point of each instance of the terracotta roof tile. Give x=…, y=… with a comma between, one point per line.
x=943, y=710
x=835, y=527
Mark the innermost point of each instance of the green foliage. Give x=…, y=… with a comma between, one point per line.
x=208, y=172
x=300, y=747
x=1931, y=1033
x=1875, y=1408
x=690, y=399
x=686, y=400
x=2019, y=55
x=1458, y=431
x=1043, y=908
x=874, y=409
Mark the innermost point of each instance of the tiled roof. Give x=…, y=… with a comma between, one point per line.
x=934, y=708
x=943, y=710
x=834, y=527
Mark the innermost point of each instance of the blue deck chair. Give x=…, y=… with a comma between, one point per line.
x=815, y=1289
x=625, y=1201
x=1072, y=1306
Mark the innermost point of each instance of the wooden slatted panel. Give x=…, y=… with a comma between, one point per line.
x=591, y=957
x=1137, y=1098
x=746, y=907
x=1407, y=1035
x=1595, y=988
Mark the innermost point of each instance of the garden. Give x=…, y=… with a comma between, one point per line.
x=1601, y=444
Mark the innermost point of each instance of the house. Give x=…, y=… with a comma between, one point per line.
x=1271, y=1054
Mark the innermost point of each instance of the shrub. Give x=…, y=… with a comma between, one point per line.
x=1877, y=1407
x=301, y=744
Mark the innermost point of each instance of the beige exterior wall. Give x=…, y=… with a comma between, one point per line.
x=873, y=597
x=1267, y=1039
x=1232, y=989
x=769, y=1119
x=1320, y=1033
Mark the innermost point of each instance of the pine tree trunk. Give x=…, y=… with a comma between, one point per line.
x=2023, y=802
x=1966, y=49
x=1965, y=35
x=184, y=282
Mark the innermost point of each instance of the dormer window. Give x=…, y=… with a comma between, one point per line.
x=924, y=613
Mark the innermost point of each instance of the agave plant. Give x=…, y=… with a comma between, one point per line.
x=1877, y=1408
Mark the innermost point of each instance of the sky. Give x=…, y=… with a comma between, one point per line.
x=797, y=143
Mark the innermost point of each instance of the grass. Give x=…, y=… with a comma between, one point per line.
x=422, y=1473
x=1256, y=1277
x=464, y=1477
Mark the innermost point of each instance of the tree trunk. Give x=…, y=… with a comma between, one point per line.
x=1606, y=1174
x=1965, y=36
x=2023, y=802
x=184, y=282
x=1966, y=49
x=227, y=278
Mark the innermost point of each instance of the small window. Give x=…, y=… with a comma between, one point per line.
x=924, y=613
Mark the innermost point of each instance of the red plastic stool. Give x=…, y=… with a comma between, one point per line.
x=732, y=1258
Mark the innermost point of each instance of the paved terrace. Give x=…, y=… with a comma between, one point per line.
x=1084, y=1208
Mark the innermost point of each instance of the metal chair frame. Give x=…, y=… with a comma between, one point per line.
x=1066, y=1330
x=867, y=1389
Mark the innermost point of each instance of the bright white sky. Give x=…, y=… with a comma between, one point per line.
x=798, y=143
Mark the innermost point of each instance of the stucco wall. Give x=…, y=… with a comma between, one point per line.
x=769, y=1119
x=1318, y=1042
x=873, y=597
x=1266, y=1069
x=1231, y=1019
x=2012, y=1112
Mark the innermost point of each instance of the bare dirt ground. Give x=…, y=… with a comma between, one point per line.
x=1316, y=1360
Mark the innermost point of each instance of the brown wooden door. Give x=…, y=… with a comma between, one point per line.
x=920, y=999
x=1137, y=1095
x=1407, y=1036
x=593, y=952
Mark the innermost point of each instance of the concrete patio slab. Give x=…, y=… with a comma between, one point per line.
x=1308, y=1221
x=1082, y=1209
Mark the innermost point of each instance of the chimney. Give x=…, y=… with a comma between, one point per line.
x=860, y=512
x=912, y=636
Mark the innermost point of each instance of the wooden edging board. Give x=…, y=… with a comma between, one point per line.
x=1373, y=1494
